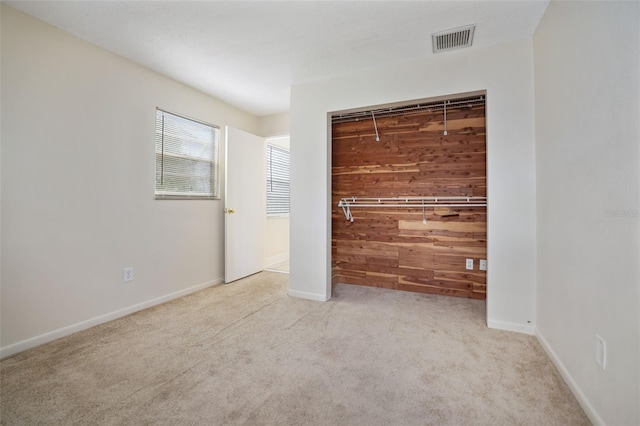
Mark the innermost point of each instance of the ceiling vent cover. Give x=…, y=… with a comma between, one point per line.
x=453, y=39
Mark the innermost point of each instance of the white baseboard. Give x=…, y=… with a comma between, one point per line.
x=83, y=325
x=273, y=260
x=575, y=389
x=307, y=295
x=512, y=326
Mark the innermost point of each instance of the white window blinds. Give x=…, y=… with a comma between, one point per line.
x=278, y=165
x=186, y=158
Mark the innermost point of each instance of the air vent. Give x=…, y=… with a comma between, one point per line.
x=453, y=39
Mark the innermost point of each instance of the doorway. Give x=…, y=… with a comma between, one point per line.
x=409, y=187
x=278, y=185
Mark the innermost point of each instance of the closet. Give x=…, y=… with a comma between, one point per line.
x=409, y=188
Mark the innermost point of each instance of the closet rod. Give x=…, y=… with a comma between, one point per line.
x=379, y=200
x=409, y=202
x=409, y=109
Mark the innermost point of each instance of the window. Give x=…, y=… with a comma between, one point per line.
x=278, y=164
x=187, y=163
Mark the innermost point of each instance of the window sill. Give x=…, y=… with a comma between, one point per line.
x=186, y=197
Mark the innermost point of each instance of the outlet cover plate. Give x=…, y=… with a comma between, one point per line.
x=469, y=264
x=483, y=264
x=128, y=274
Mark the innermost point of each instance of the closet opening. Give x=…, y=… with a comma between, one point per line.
x=409, y=196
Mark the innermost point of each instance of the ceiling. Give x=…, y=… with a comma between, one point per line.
x=249, y=53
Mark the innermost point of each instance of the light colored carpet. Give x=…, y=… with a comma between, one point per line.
x=246, y=353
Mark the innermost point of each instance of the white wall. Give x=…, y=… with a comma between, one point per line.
x=506, y=72
x=78, y=167
x=1, y=198
x=587, y=91
x=277, y=240
x=274, y=125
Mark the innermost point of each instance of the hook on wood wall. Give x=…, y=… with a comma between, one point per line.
x=445, y=118
x=375, y=126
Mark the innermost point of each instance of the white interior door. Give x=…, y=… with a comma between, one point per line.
x=245, y=204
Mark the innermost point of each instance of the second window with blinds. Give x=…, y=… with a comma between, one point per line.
x=278, y=182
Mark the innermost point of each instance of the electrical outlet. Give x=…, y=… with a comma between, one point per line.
x=601, y=352
x=470, y=264
x=128, y=274
x=483, y=264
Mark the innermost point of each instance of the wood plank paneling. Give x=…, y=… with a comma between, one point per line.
x=391, y=247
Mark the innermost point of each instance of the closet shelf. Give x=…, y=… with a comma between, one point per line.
x=409, y=202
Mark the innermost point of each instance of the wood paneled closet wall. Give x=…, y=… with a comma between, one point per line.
x=391, y=247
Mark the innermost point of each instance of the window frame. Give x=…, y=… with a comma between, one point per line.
x=215, y=163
